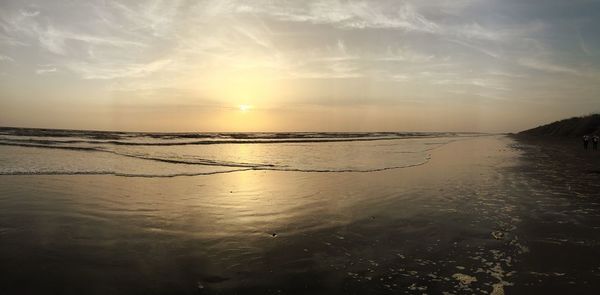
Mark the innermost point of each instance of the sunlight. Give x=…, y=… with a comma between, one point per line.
x=244, y=107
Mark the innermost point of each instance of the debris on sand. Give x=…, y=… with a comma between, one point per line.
x=464, y=279
x=498, y=289
x=498, y=235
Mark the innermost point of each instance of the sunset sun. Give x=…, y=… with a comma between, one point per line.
x=244, y=107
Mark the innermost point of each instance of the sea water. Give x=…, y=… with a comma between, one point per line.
x=43, y=151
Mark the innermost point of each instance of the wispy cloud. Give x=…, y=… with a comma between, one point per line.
x=30, y=12
x=486, y=83
x=55, y=40
x=582, y=44
x=6, y=58
x=476, y=48
x=114, y=71
x=548, y=67
x=403, y=54
x=46, y=70
x=346, y=14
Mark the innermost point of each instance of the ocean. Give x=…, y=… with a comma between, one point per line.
x=43, y=151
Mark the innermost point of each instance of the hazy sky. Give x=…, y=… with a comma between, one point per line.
x=460, y=65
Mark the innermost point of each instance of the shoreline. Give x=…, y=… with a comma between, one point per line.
x=240, y=166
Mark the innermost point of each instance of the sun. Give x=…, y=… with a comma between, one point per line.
x=244, y=107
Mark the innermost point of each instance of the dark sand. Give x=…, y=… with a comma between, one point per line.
x=563, y=226
x=485, y=215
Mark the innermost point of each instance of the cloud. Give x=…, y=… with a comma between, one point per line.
x=582, y=44
x=46, y=70
x=5, y=58
x=547, y=67
x=11, y=41
x=475, y=31
x=487, y=83
x=29, y=12
x=114, y=71
x=476, y=48
x=347, y=14
x=404, y=54
x=55, y=40
x=22, y=27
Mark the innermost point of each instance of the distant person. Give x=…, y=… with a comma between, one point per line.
x=595, y=140
x=586, y=141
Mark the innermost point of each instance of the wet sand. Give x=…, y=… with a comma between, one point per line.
x=563, y=226
x=484, y=215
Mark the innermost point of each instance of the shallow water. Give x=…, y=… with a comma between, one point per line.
x=38, y=151
x=473, y=219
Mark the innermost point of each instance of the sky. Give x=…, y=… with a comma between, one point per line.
x=265, y=65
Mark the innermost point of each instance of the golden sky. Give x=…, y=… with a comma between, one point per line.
x=463, y=65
